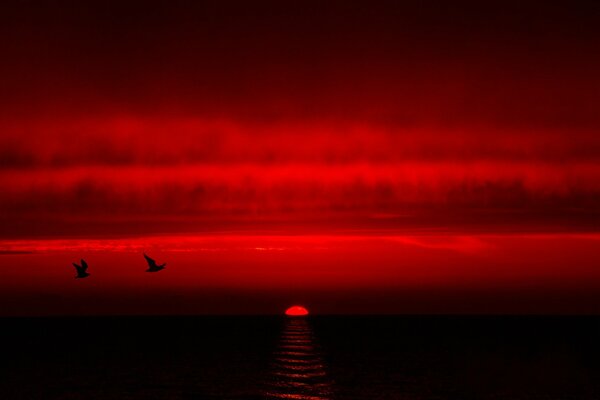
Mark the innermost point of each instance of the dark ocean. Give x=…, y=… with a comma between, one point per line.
x=325, y=357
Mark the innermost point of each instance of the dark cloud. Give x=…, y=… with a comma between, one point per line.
x=164, y=141
x=296, y=192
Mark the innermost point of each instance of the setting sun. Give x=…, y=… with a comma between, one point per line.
x=296, y=311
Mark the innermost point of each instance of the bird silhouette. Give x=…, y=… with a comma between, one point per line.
x=152, y=266
x=81, y=269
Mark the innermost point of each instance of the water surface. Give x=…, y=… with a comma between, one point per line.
x=313, y=358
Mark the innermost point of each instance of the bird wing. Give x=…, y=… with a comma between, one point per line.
x=150, y=261
x=84, y=265
x=79, y=268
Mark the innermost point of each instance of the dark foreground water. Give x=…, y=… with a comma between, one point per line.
x=314, y=358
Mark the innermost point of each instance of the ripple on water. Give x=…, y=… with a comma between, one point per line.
x=298, y=370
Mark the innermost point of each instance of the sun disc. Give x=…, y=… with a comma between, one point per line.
x=296, y=311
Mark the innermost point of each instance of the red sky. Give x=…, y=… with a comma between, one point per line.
x=247, y=124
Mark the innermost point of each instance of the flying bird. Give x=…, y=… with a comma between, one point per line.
x=81, y=269
x=152, y=266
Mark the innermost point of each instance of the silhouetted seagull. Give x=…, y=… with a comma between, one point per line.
x=152, y=267
x=81, y=269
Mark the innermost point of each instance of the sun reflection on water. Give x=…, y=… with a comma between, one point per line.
x=298, y=369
